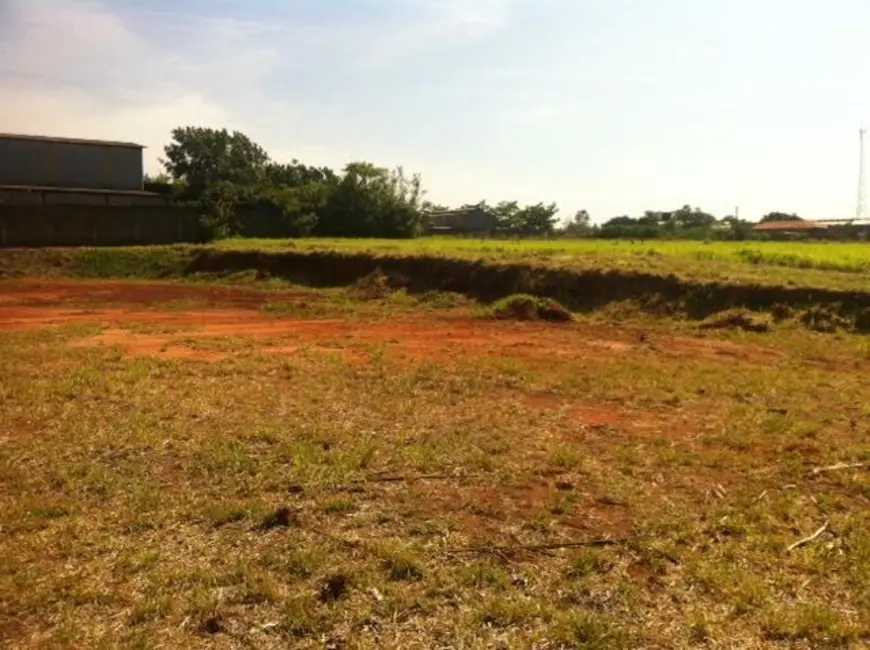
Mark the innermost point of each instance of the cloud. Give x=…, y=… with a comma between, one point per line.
x=94, y=68
x=441, y=25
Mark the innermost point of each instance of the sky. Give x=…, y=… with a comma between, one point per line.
x=612, y=106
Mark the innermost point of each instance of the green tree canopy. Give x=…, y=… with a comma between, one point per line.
x=200, y=157
x=779, y=216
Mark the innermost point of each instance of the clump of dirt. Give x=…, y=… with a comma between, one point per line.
x=737, y=319
x=282, y=518
x=374, y=286
x=334, y=588
x=522, y=306
x=212, y=625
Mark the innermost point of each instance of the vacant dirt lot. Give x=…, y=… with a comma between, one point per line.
x=230, y=466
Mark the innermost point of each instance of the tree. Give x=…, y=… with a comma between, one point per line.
x=624, y=220
x=739, y=230
x=200, y=157
x=581, y=224
x=582, y=219
x=779, y=216
x=429, y=206
x=506, y=216
x=371, y=201
x=296, y=174
x=536, y=220
x=687, y=217
x=160, y=178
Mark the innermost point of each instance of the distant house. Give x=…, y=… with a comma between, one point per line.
x=464, y=221
x=786, y=229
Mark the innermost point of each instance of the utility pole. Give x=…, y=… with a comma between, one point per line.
x=861, y=209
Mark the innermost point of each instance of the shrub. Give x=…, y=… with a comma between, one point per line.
x=374, y=286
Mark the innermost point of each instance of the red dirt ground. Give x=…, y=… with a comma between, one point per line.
x=236, y=312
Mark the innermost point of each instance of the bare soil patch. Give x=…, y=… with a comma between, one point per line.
x=235, y=312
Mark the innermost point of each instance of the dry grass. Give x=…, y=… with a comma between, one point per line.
x=318, y=500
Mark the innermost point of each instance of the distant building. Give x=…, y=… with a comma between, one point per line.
x=787, y=228
x=464, y=221
x=819, y=229
x=74, y=164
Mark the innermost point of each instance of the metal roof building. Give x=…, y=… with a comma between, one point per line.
x=462, y=221
x=70, y=163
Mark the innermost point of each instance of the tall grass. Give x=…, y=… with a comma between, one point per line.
x=844, y=257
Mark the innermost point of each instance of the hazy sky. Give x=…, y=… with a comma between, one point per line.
x=614, y=106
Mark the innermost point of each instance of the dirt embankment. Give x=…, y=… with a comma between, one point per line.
x=579, y=290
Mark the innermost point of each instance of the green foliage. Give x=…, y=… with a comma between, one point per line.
x=371, y=201
x=684, y=223
x=529, y=221
x=241, y=192
x=201, y=156
x=779, y=216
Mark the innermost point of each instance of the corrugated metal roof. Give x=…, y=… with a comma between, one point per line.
x=790, y=226
x=46, y=138
x=74, y=190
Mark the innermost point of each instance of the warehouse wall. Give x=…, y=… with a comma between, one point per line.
x=82, y=225
x=70, y=164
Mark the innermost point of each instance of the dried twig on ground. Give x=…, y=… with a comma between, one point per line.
x=807, y=540
x=543, y=547
x=399, y=478
x=838, y=467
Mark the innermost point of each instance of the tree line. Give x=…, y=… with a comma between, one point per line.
x=240, y=190
x=235, y=183
x=684, y=223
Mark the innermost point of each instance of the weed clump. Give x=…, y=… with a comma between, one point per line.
x=402, y=566
x=820, y=319
x=444, y=299
x=374, y=286
x=737, y=319
x=525, y=307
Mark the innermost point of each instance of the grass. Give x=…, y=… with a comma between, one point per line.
x=387, y=498
x=829, y=265
x=787, y=263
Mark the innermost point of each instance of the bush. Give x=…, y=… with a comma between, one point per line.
x=374, y=286
x=525, y=307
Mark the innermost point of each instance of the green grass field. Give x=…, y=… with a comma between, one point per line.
x=841, y=265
